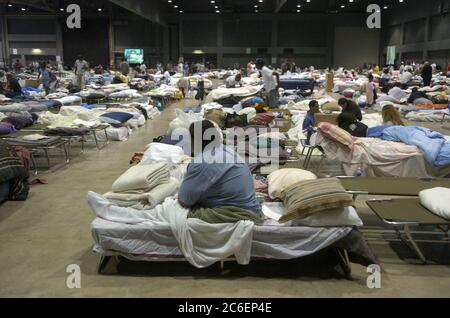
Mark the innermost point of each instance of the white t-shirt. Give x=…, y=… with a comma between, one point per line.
x=80, y=67
x=270, y=82
x=231, y=81
x=143, y=68
x=167, y=74
x=406, y=77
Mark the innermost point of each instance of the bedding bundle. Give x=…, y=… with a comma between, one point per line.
x=143, y=186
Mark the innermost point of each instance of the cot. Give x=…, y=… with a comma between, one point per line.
x=404, y=213
x=156, y=243
x=391, y=185
x=45, y=145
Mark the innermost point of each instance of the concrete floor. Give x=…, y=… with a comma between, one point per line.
x=40, y=237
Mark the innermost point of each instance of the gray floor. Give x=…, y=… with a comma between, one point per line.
x=40, y=237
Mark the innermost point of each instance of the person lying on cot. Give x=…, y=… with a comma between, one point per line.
x=232, y=81
x=308, y=122
x=349, y=123
x=217, y=176
x=349, y=106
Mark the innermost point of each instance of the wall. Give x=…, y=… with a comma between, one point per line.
x=33, y=37
x=132, y=31
x=91, y=41
x=356, y=46
x=420, y=32
x=306, y=39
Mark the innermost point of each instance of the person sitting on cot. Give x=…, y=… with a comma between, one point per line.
x=349, y=123
x=217, y=176
x=349, y=106
x=308, y=122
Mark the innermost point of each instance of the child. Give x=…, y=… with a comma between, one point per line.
x=308, y=123
x=370, y=91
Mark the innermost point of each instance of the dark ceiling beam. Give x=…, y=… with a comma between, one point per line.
x=279, y=4
x=41, y=5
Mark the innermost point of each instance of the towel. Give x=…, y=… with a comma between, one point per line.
x=437, y=200
x=142, y=177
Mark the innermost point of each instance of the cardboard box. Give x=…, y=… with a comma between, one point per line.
x=329, y=85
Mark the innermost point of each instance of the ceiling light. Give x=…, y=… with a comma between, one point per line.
x=385, y=7
x=62, y=9
x=175, y=6
x=299, y=5
x=99, y=9
x=181, y=11
x=23, y=9
x=308, y=0
x=212, y=1
x=298, y=11
x=351, y=0
x=260, y=1
x=9, y=5
x=217, y=11
x=169, y=1
x=342, y=6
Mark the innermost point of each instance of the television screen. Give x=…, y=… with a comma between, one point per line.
x=134, y=56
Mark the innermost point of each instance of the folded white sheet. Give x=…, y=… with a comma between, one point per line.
x=437, y=200
x=142, y=177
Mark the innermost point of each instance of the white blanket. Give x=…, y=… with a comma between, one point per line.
x=202, y=243
x=437, y=200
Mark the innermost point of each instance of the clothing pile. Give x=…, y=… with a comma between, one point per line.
x=143, y=186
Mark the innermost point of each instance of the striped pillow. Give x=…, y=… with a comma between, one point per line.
x=337, y=134
x=312, y=196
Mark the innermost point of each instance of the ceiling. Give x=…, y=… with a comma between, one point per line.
x=52, y=6
x=210, y=6
x=270, y=6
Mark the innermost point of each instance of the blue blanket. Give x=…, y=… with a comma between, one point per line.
x=435, y=147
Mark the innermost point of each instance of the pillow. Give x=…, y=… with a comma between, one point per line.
x=437, y=200
x=337, y=134
x=312, y=196
x=335, y=217
x=348, y=93
x=115, y=117
x=281, y=179
x=331, y=106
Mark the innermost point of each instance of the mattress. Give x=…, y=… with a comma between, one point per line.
x=303, y=84
x=269, y=241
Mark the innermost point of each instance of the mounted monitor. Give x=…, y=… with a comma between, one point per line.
x=134, y=56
